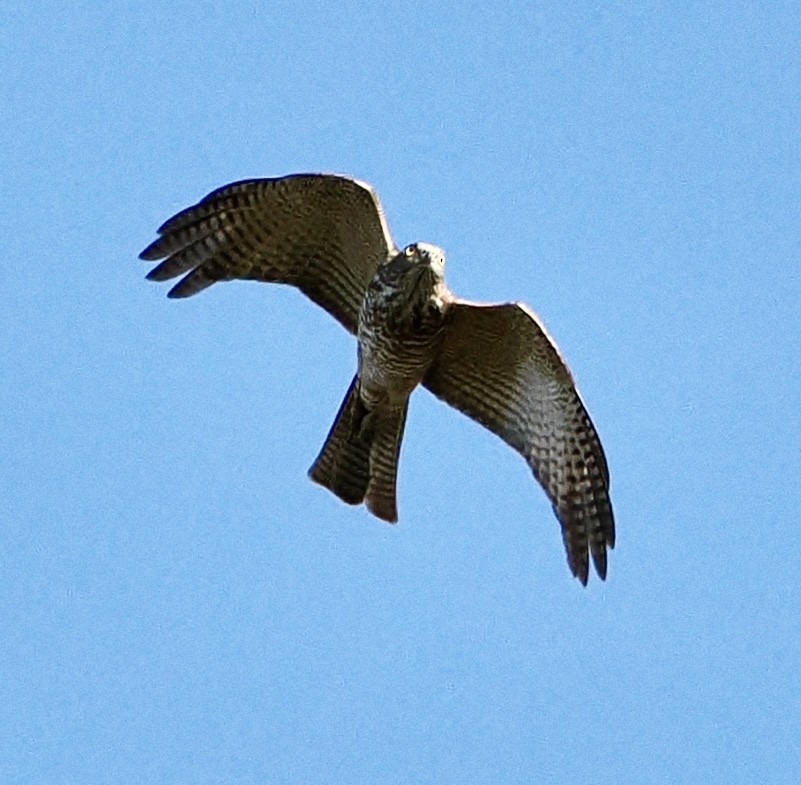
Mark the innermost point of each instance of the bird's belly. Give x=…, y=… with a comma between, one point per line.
x=391, y=366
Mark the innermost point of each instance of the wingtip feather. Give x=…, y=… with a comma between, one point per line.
x=582, y=575
x=159, y=274
x=152, y=252
x=179, y=292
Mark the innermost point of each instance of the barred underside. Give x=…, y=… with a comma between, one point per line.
x=343, y=465
x=324, y=234
x=384, y=453
x=359, y=460
x=499, y=366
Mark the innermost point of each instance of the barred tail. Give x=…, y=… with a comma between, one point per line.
x=359, y=460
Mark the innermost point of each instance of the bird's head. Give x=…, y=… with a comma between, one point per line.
x=422, y=255
x=419, y=266
x=417, y=273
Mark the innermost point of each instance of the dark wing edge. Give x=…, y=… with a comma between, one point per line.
x=325, y=234
x=499, y=366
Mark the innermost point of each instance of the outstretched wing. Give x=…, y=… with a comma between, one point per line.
x=499, y=366
x=325, y=234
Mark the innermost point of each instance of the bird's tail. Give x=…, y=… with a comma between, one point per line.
x=359, y=460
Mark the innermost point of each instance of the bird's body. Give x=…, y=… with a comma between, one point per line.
x=401, y=324
x=327, y=235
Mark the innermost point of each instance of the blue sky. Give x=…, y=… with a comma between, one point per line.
x=180, y=604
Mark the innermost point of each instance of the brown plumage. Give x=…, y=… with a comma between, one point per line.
x=327, y=235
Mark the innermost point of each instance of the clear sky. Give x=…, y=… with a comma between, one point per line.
x=180, y=604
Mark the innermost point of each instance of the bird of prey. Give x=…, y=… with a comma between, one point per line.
x=327, y=235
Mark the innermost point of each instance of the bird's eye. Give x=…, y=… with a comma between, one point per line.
x=410, y=249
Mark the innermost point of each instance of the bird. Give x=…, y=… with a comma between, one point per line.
x=327, y=235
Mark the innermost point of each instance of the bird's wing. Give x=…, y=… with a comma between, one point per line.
x=498, y=365
x=325, y=234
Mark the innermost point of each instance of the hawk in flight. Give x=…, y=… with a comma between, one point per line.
x=327, y=235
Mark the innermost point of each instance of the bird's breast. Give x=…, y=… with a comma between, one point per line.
x=397, y=342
